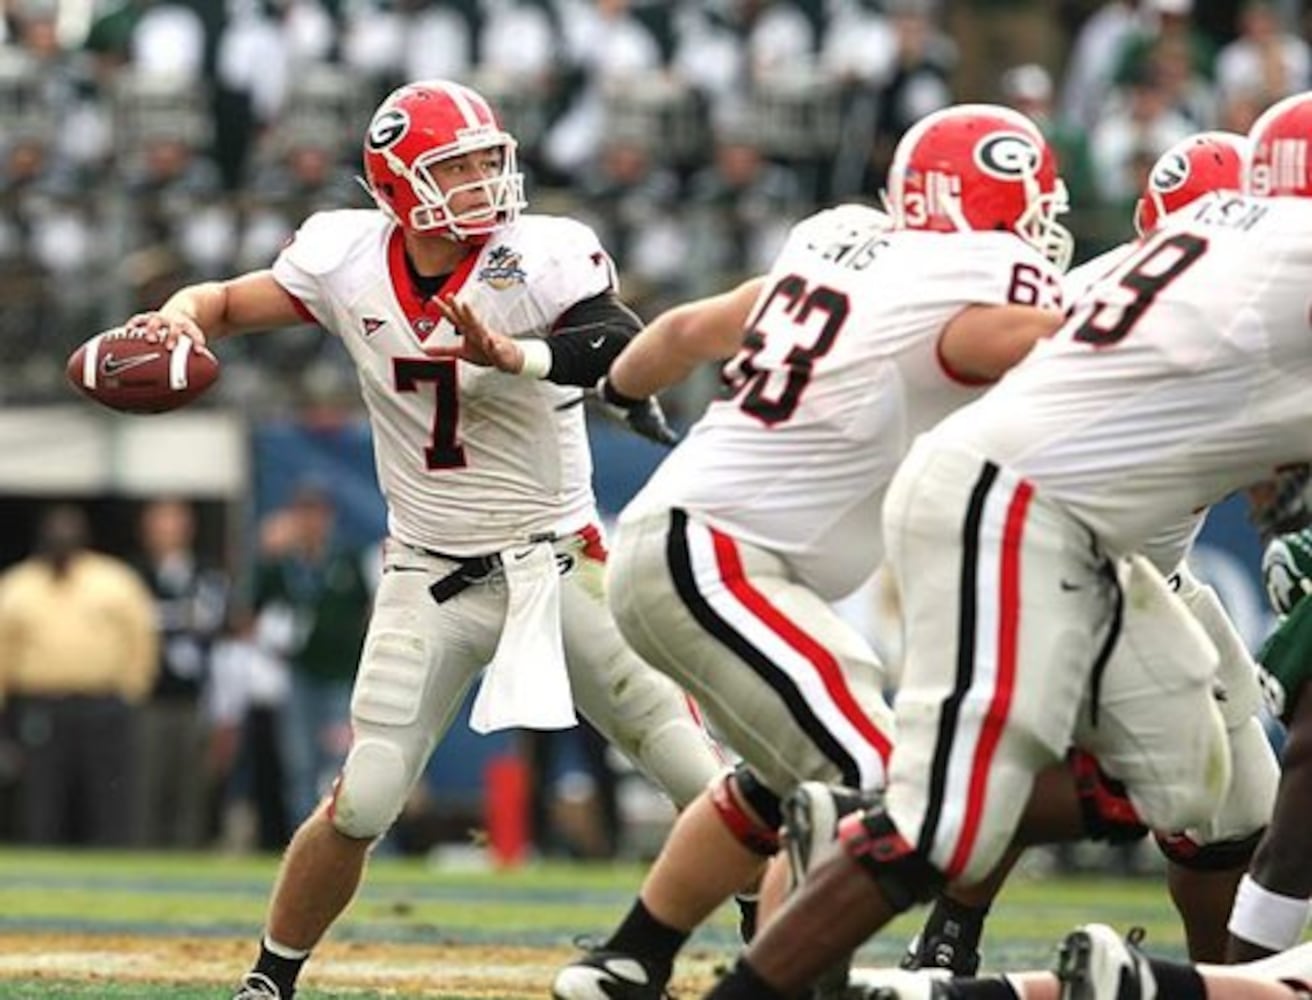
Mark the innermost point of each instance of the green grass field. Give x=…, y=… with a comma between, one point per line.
x=140, y=927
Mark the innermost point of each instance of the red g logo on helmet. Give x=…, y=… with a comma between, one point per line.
x=1008, y=156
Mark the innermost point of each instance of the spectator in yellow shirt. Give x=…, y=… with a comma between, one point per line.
x=78, y=652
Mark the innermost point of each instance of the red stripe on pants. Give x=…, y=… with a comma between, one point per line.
x=1004, y=686
x=831, y=674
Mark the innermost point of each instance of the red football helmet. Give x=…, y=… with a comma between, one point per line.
x=1193, y=167
x=420, y=125
x=980, y=167
x=1279, y=163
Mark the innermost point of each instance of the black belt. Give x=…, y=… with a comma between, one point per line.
x=469, y=571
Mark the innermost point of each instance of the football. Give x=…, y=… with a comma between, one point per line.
x=128, y=372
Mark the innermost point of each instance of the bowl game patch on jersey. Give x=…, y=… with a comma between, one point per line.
x=502, y=269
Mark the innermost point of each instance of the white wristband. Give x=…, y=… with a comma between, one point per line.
x=537, y=359
x=1267, y=918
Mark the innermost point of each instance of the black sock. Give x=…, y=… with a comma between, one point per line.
x=748, y=906
x=955, y=921
x=742, y=983
x=643, y=936
x=283, y=971
x=1177, y=981
x=980, y=989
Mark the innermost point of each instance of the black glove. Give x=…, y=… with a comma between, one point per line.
x=642, y=416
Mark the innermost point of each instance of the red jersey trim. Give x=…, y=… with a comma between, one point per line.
x=416, y=309
x=302, y=310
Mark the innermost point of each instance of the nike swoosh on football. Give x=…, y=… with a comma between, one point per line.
x=113, y=366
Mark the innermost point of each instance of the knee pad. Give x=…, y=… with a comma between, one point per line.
x=1105, y=806
x=739, y=799
x=904, y=876
x=1221, y=856
x=370, y=792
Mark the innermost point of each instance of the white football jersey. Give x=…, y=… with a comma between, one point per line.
x=839, y=371
x=1076, y=283
x=470, y=460
x=1184, y=375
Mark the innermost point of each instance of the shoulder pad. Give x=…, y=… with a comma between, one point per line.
x=555, y=237
x=326, y=239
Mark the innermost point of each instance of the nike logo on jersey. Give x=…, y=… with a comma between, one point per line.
x=372, y=325
x=111, y=365
x=594, y=344
x=1067, y=586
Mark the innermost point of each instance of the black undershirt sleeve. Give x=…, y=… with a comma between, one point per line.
x=588, y=337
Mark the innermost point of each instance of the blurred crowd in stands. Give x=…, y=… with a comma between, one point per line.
x=164, y=700
x=148, y=143
x=148, y=702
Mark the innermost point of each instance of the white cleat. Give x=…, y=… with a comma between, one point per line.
x=1096, y=963
x=257, y=986
x=897, y=984
x=608, y=975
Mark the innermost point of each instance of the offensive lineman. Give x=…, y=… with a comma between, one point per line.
x=1203, y=866
x=494, y=555
x=1180, y=378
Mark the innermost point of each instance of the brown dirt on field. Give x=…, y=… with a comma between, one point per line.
x=471, y=970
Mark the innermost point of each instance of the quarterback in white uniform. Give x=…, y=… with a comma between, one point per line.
x=1011, y=529
x=860, y=337
x=494, y=557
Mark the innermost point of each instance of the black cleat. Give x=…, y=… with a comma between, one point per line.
x=941, y=951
